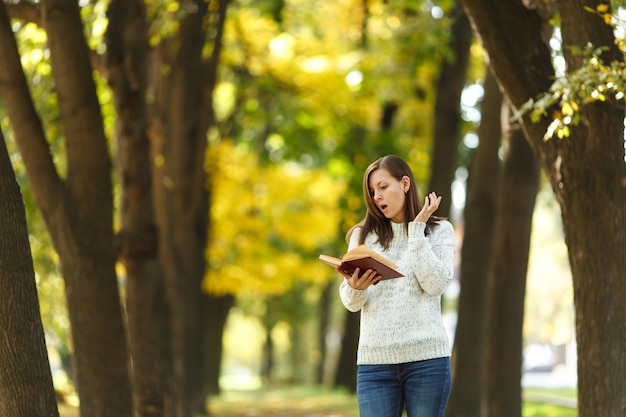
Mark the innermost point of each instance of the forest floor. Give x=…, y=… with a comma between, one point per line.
x=304, y=401
x=312, y=401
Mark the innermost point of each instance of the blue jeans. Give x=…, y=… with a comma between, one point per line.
x=422, y=386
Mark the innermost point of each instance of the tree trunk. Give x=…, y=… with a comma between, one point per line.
x=479, y=220
x=345, y=376
x=25, y=373
x=137, y=240
x=325, y=307
x=216, y=311
x=180, y=117
x=78, y=211
x=587, y=173
x=592, y=191
x=267, y=361
x=507, y=279
x=447, y=124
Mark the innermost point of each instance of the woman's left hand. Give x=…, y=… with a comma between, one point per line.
x=431, y=204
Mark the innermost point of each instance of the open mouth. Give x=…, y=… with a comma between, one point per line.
x=383, y=207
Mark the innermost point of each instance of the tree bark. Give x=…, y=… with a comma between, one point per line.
x=137, y=241
x=325, y=307
x=345, y=376
x=25, y=372
x=180, y=117
x=479, y=219
x=586, y=172
x=507, y=279
x=591, y=180
x=78, y=210
x=216, y=311
x=447, y=125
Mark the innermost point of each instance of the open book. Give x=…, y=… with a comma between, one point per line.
x=364, y=258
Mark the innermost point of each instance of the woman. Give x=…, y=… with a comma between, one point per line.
x=404, y=354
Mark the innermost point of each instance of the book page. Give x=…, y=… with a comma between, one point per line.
x=362, y=251
x=330, y=260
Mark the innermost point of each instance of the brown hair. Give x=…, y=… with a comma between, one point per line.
x=375, y=221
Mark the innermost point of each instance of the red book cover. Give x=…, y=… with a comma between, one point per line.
x=364, y=258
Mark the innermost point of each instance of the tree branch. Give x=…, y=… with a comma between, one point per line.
x=28, y=128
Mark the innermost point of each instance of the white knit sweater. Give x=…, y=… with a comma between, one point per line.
x=401, y=318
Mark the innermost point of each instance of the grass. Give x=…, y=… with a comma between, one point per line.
x=316, y=401
x=326, y=402
x=550, y=402
x=547, y=410
x=284, y=402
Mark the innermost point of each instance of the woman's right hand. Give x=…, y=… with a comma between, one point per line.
x=369, y=277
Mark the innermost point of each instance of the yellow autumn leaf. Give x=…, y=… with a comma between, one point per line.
x=602, y=8
x=568, y=108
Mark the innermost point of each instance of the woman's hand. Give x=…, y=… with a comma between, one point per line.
x=431, y=204
x=369, y=277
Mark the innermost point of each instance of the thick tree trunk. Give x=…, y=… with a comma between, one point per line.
x=592, y=191
x=479, y=220
x=447, y=127
x=180, y=117
x=137, y=240
x=587, y=173
x=78, y=212
x=25, y=372
x=181, y=212
x=507, y=279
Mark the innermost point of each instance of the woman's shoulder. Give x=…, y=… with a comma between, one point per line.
x=442, y=229
x=354, y=232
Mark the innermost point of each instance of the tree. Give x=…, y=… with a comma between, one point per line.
x=447, y=123
x=176, y=122
x=265, y=239
x=126, y=69
x=25, y=373
x=586, y=172
x=179, y=118
x=78, y=209
x=506, y=287
x=479, y=220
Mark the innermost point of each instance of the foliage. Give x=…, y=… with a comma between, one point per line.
x=313, y=81
x=298, y=88
x=594, y=81
x=268, y=223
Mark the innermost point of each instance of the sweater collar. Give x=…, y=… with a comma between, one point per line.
x=398, y=228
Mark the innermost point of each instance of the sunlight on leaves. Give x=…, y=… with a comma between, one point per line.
x=268, y=223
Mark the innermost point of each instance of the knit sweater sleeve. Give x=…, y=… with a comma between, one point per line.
x=432, y=257
x=352, y=299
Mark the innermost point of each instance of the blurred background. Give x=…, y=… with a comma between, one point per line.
x=304, y=95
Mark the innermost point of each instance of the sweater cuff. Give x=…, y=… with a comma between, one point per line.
x=416, y=230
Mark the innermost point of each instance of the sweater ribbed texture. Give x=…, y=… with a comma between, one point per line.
x=401, y=318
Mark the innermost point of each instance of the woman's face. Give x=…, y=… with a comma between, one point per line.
x=389, y=194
